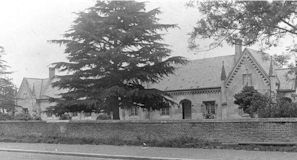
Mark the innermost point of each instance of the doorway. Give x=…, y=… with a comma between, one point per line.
x=186, y=109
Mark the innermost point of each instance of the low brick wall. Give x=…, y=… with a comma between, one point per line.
x=229, y=131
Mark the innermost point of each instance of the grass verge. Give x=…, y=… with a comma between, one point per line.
x=181, y=142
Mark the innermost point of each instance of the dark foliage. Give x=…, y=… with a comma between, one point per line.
x=250, y=100
x=251, y=21
x=65, y=117
x=284, y=108
x=114, y=50
x=103, y=117
x=23, y=117
x=4, y=117
x=7, y=88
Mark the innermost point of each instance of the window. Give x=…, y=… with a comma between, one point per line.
x=209, y=110
x=25, y=110
x=87, y=114
x=49, y=114
x=247, y=79
x=165, y=111
x=133, y=111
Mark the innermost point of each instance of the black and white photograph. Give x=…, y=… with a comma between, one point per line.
x=148, y=80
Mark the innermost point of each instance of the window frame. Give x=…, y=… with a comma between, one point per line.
x=133, y=111
x=245, y=79
x=49, y=114
x=165, y=111
x=210, y=109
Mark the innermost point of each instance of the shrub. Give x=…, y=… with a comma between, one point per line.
x=282, y=109
x=4, y=117
x=65, y=116
x=102, y=116
x=251, y=101
x=35, y=115
x=23, y=117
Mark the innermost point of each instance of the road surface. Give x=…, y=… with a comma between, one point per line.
x=189, y=153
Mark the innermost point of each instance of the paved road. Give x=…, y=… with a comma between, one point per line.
x=30, y=156
x=214, y=154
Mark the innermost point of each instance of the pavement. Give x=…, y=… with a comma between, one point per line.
x=142, y=153
x=31, y=156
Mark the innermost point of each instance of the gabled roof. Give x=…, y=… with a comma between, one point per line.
x=206, y=73
x=262, y=59
x=42, y=88
x=259, y=60
x=36, y=86
x=200, y=73
x=51, y=91
x=286, y=81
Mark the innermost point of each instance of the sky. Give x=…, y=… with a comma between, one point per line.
x=27, y=26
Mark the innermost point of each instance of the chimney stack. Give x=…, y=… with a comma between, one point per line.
x=51, y=73
x=238, y=50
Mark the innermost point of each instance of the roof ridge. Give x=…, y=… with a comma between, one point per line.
x=212, y=57
x=256, y=50
x=36, y=78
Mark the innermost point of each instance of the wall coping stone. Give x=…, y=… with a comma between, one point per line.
x=19, y=121
x=250, y=120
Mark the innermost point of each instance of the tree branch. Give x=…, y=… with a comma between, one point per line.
x=289, y=24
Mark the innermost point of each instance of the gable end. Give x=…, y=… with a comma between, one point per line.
x=247, y=56
x=24, y=88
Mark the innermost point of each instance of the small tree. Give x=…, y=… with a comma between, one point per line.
x=250, y=100
x=7, y=95
x=7, y=88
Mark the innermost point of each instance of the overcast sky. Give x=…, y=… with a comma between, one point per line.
x=27, y=25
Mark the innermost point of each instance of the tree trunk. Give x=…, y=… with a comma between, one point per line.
x=115, y=108
x=115, y=112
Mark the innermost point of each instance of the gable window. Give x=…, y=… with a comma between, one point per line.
x=133, y=111
x=247, y=79
x=165, y=111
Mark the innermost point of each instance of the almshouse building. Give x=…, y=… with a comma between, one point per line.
x=202, y=89
x=34, y=96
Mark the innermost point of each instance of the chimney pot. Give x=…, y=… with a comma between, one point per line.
x=238, y=50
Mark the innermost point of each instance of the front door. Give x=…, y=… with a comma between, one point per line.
x=187, y=109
